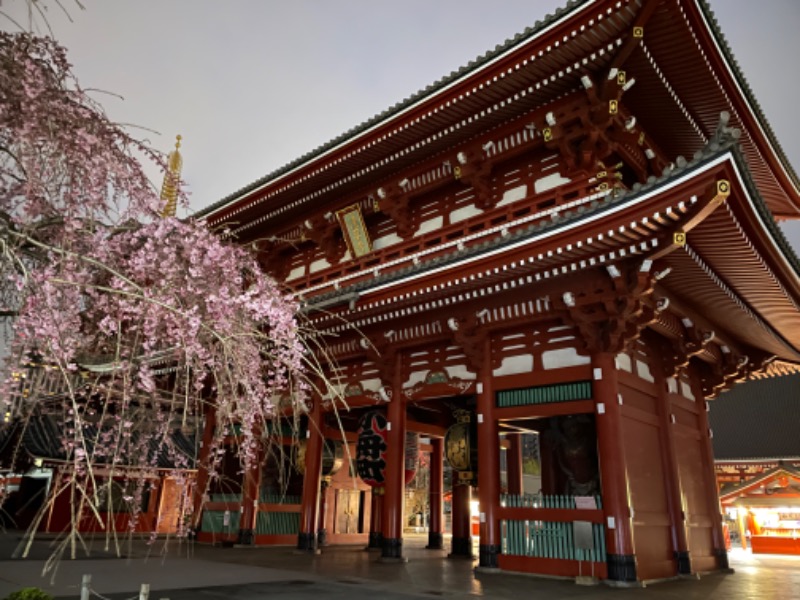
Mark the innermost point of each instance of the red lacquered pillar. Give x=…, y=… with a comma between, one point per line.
x=203, y=462
x=395, y=470
x=514, y=464
x=435, y=539
x=309, y=503
x=250, y=494
x=462, y=522
x=711, y=491
x=488, y=465
x=669, y=462
x=322, y=531
x=375, y=521
x=613, y=470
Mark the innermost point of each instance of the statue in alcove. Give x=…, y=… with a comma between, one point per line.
x=574, y=439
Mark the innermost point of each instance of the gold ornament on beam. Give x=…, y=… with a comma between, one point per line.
x=172, y=180
x=723, y=190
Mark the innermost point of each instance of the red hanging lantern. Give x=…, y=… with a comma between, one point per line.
x=371, y=448
x=461, y=448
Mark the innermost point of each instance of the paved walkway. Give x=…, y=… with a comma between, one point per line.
x=204, y=572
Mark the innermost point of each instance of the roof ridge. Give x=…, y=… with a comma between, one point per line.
x=716, y=32
x=474, y=64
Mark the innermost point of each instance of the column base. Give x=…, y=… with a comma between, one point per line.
x=392, y=550
x=435, y=541
x=322, y=537
x=306, y=541
x=622, y=567
x=684, y=562
x=375, y=541
x=487, y=555
x=461, y=547
x=247, y=537
x=722, y=560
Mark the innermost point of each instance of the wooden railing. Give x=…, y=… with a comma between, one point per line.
x=277, y=515
x=538, y=535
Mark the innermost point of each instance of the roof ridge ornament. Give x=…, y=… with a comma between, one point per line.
x=724, y=135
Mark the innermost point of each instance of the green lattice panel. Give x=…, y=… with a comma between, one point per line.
x=278, y=523
x=545, y=394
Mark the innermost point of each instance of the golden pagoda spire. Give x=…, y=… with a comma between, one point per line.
x=172, y=180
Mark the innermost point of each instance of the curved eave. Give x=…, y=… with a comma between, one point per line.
x=431, y=94
x=737, y=264
x=686, y=76
x=780, y=162
x=682, y=41
x=756, y=481
x=737, y=267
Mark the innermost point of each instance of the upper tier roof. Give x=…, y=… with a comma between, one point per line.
x=686, y=75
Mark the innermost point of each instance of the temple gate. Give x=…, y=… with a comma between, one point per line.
x=573, y=236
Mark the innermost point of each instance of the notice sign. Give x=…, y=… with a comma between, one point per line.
x=585, y=503
x=582, y=535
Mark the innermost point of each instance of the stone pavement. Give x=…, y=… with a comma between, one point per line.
x=204, y=572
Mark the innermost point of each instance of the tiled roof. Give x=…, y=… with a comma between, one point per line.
x=716, y=147
x=736, y=489
x=474, y=65
x=758, y=420
x=400, y=106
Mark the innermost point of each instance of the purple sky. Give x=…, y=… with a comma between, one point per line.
x=254, y=84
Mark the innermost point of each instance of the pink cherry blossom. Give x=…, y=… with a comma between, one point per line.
x=125, y=325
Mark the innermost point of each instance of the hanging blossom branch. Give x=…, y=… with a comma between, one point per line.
x=123, y=326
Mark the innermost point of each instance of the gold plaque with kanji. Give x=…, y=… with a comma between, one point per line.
x=355, y=231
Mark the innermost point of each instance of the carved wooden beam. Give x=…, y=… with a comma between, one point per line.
x=612, y=316
x=714, y=195
x=470, y=335
x=273, y=258
x=395, y=203
x=382, y=354
x=473, y=168
x=327, y=235
x=587, y=128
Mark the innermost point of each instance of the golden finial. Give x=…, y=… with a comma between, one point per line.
x=172, y=180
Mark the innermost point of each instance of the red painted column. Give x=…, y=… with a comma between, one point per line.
x=514, y=464
x=395, y=470
x=613, y=470
x=250, y=497
x=672, y=483
x=488, y=464
x=203, y=462
x=309, y=503
x=435, y=539
x=375, y=521
x=322, y=532
x=712, y=493
x=461, y=520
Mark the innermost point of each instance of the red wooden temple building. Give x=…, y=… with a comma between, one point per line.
x=573, y=235
x=757, y=459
